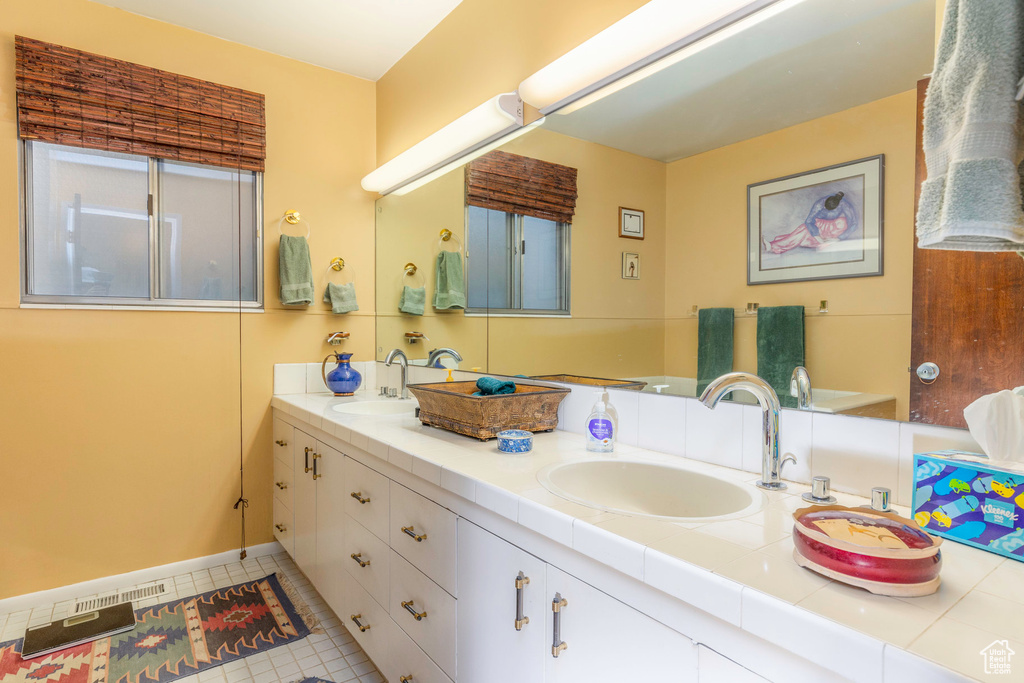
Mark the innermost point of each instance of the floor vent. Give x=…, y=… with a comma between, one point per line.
x=150, y=590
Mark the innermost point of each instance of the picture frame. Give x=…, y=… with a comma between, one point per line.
x=822, y=224
x=630, y=266
x=631, y=223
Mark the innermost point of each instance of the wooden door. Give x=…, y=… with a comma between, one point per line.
x=968, y=318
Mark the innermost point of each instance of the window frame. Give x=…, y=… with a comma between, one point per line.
x=514, y=221
x=154, y=301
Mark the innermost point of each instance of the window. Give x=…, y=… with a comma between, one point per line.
x=110, y=228
x=516, y=264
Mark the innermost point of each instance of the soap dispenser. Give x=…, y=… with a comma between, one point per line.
x=600, y=428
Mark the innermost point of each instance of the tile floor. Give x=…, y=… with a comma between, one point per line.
x=333, y=655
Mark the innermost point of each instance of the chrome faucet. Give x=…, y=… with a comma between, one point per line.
x=441, y=352
x=403, y=362
x=800, y=388
x=771, y=463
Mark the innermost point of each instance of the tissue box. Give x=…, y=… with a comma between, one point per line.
x=960, y=496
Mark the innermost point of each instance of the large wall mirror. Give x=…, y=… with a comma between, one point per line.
x=765, y=168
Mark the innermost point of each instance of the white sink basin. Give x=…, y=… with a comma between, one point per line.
x=395, y=407
x=646, y=489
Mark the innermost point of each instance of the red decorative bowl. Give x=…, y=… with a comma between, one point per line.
x=878, y=551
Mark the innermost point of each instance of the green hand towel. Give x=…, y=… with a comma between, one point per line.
x=491, y=386
x=342, y=298
x=413, y=300
x=449, y=284
x=296, y=271
x=714, y=344
x=780, y=347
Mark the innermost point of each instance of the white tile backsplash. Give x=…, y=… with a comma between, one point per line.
x=922, y=438
x=627, y=405
x=314, y=378
x=795, y=430
x=715, y=436
x=857, y=453
x=290, y=378
x=662, y=423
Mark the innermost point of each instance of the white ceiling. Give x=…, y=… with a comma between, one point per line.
x=814, y=59
x=360, y=37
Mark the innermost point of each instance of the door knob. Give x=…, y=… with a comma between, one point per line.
x=927, y=372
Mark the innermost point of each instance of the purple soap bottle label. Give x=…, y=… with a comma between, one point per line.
x=600, y=429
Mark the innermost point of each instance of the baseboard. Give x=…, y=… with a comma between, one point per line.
x=18, y=603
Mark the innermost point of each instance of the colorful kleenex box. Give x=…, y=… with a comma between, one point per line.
x=962, y=497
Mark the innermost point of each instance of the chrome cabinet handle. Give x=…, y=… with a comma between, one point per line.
x=411, y=533
x=557, y=644
x=418, y=616
x=281, y=527
x=281, y=485
x=358, y=495
x=521, y=581
x=281, y=442
x=307, y=457
x=363, y=628
x=361, y=562
x=316, y=475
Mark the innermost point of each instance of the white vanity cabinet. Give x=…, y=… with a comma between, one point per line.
x=598, y=639
x=284, y=485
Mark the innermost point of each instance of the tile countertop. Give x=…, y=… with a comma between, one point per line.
x=739, y=570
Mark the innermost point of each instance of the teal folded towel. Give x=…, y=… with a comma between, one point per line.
x=342, y=298
x=296, y=271
x=449, y=283
x=780, y=347
x=714, y=344
x=490, y=386
x=413, y=300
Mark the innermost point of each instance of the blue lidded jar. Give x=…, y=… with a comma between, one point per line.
x=516, y=441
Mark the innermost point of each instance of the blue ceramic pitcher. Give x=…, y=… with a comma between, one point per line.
x=343, y=380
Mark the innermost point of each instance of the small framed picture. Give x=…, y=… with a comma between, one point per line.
x=630, y=266
x=631, y=223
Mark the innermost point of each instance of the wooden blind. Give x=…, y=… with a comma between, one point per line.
x=70, y=97
x=518, y=184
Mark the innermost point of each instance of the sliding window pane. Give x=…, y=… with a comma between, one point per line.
x=490, y=249
x=89, y=223
x=542, y=264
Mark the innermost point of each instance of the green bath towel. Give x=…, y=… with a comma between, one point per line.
x=413, y=300
x=449, y=284
x=342, y=298
x=780, y=347
x=491, y=386
x=296, y=271
x=714, y=344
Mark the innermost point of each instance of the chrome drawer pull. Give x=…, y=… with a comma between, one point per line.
x=418, y=616
x=281, y=527
x=521, y=582
x=363, y=628
x=281, y=485
x=362, y=563
x=557, y=644
x=358, y=495
x=281, y=443
x=411, y=532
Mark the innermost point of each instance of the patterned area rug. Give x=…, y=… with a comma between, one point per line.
x=172, y=640
x=315, y=680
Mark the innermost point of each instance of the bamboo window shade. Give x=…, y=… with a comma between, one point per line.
x=70, y=97
x=517, y=184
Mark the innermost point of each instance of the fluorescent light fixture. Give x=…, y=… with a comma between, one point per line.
x=465, y=159
x=658, y=28
x=679, y=55
x=493, y=119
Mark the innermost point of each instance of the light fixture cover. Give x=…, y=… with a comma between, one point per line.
x=494, y=118
x=656, y=26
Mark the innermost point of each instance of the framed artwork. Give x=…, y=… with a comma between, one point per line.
x=630, y=266
x=631, y=223
x=817, y=225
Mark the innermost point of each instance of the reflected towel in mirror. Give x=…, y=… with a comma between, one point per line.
x=449, y=282
x=413, y=300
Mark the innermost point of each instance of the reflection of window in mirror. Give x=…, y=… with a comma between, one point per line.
x=516, y=264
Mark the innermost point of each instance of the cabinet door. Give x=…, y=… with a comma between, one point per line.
x=329, y=575
x=284, y=434
x=304, y=505
x=490, y=649
x=608, y=641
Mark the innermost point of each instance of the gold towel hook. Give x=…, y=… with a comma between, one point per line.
x=410, y=268
x=337, y=263
x=446, y=234
x=292, y=216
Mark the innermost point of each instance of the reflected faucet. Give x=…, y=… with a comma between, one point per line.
x=440, y=353
x=403, y=362
x=800, y=387
x=771, y=463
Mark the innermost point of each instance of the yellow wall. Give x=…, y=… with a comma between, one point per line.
x=863, y=343
x=120, y=428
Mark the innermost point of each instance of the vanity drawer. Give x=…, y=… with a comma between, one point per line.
x=373, y=574
x=414, y=516
x=370, y=508
x=435, y=632
x=284, y=478
x=283, y=522
x=367, y=621
x=284, y=434
x=407, y=659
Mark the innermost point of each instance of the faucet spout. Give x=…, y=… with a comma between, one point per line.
x=436, y=354
x=403, y=363
x=771, y=462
